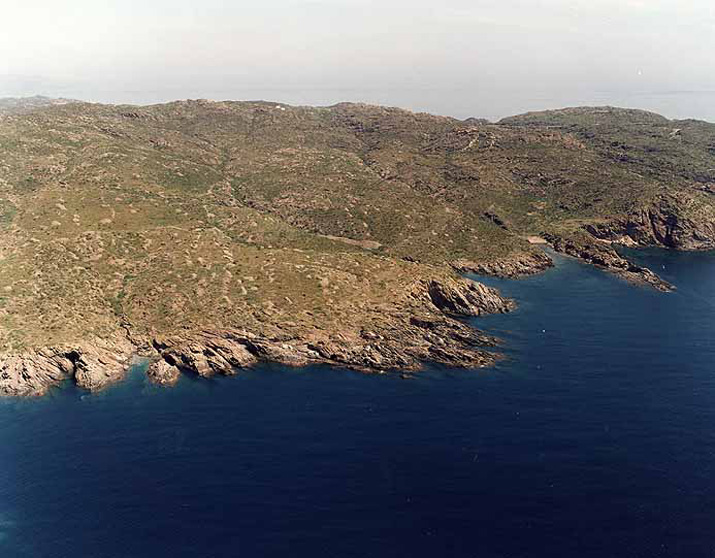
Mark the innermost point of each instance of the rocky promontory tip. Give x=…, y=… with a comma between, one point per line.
x=605, y=257
x=519, y=264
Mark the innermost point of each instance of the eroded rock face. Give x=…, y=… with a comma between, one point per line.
x=34, y=372
x=659, y=225
x=404, y=340
x=92, y=367
x=407, y=344
x=467, y=298
x=103, y=365
x=205, y=354
x=401, y=343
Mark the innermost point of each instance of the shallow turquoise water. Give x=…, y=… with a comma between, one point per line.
x=595, y=437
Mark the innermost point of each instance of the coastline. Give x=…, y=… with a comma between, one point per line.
x=582, y=404
x=210, y=236
x=431, y=332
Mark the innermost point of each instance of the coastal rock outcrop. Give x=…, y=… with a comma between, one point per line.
x=405, y=340
x=420, y=327
x=162, y=373
x=103, y=364
x=399, y=343
x=520, y=264
x=33, y=373
x=467, y=298
x=205, y=354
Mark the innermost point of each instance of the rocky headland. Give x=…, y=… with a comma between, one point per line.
x=209, y=236
x=429, y=330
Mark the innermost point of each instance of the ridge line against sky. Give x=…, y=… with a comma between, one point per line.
x=270, y=100
x=461, y=58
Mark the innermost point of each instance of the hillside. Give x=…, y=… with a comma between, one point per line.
x=210, y=235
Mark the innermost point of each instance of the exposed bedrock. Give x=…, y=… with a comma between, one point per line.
x=205, y=353
x=659, y=225
x=162, y=373
x=34, y=372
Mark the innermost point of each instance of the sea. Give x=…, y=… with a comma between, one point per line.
x=593, y=437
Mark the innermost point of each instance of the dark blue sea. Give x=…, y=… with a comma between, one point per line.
x=594, y=438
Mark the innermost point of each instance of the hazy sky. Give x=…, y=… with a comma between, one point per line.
x=461, y=57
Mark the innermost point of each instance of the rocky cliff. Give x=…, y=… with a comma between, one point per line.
x=666, y=223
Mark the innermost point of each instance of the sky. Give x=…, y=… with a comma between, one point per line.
x=456, y=57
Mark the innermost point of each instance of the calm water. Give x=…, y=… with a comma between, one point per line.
x=595, y=438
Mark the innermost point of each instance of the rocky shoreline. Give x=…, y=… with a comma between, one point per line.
x=589, y=250
x=603, y=256
x=661, y=224
x=427, y=330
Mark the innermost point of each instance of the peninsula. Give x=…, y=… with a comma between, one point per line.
x=208, y=236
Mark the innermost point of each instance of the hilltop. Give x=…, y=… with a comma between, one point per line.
x=210, y=235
